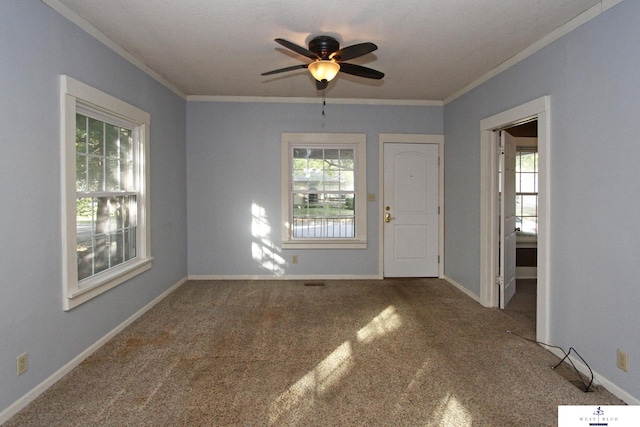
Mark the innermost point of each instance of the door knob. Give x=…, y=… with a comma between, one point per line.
x=387, y=217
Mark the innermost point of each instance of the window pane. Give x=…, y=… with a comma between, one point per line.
x=101, y=254
x=112, y=175
x=130, y=244
x=529, y=205
x=126, y=144
x=106, y=233
x=112, y=139
x=117, y=249
x=131, y=212
x=81, y=134
x=81, y=173
x=527, y=183
x=96, y=137
x=528, y=226
x=323, y=215
x=300, y=183
x=315, y=153
x=528, y=162
x=333, y=153
x=347, y=181
x=347, y=154
x=96, y=174
x=101, y=215
x=85, y=258
x=84, y=217
x=299, y=153
x=126, y=176
x=118, y=208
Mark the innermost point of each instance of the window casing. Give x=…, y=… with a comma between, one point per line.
x=105, y=155
x=323, y=190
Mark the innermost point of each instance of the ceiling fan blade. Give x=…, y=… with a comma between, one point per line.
x=354, y=51
x=283, y=70
x=321, y=85
x=297, y=49
x=360, y=71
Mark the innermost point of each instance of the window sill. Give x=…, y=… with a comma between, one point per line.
x=325, y=244
x=99, y=284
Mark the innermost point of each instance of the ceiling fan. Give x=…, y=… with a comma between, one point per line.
x=328, y=59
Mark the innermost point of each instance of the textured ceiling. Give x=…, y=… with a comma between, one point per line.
x=428, y=49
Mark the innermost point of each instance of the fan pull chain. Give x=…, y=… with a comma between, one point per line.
x=324, y=102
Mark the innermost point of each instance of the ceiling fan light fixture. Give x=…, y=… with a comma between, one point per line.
x=324, y=69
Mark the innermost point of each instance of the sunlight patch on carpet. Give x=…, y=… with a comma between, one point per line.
x=451, y=413
x=300, y=397
x=384, y=323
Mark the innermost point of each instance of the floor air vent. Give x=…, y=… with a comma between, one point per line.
x=314, y=284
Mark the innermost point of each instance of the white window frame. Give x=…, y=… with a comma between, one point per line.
x=520, y=238
x=79, y=97
x=356, y=141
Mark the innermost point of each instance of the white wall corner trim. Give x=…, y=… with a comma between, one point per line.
x=16, y=406
x=466, y=291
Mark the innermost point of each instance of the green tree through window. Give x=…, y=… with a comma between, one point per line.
x=105, y=203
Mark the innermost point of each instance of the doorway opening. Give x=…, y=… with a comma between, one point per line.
x=490, y=286
x=524, y=138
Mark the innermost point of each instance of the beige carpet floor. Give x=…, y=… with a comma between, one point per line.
x=522, y=306
x=405, y=352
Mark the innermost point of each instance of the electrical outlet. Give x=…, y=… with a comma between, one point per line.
x=22, y=363
x=294, y=259
x=622, y=360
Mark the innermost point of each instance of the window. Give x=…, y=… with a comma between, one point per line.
x=104, y=192
x=527, y=192
x=323, y=190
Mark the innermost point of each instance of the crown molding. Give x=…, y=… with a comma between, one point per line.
x=110, y=43
x=576, y=22
x=310, y=100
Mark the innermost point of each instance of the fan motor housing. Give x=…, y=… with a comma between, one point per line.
x=324, y=46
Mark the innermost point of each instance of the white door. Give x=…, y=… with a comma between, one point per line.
x=507, y=275
x=410, y=210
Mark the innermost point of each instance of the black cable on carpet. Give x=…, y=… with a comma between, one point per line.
x=566, y=356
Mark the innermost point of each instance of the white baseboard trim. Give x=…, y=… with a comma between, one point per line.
x=526, y=272
x=470, y=294
x=64, y=370
x=288, y=277
x=599, y=379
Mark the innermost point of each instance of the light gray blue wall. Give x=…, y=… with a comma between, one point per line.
x=230, y=160
x=233, y=156
x=592, y=77
x=36, y=46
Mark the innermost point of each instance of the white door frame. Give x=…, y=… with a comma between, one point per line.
x=404, y=138
x=537, y=109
